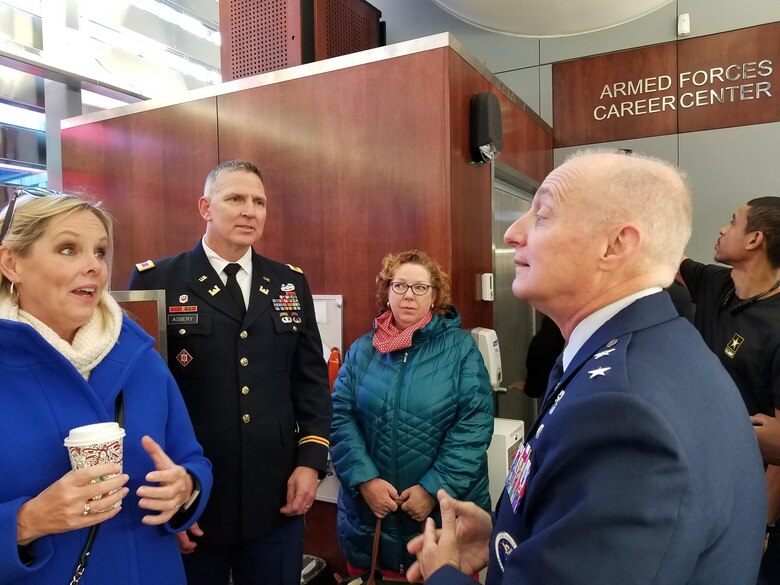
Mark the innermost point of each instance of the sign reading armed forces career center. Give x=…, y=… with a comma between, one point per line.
x=716, y=81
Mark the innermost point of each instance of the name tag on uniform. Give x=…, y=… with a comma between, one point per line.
x=182, y=319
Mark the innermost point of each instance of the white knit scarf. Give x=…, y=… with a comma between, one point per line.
x=92, y=341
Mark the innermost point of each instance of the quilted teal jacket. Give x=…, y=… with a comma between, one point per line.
x=423, y=415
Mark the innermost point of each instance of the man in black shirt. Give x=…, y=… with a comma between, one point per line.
x=738, y=315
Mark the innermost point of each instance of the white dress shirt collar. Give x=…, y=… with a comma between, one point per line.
x=588, y=326
x=218, y=263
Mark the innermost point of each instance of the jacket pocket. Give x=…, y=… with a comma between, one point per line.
x=285, y=341
x=188, y=348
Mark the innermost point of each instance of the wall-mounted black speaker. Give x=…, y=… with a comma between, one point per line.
x=487, y=134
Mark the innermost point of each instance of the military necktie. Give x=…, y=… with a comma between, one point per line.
x=232, y=286
x=555, y=376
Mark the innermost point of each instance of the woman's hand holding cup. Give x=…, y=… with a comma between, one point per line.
x=78, y=499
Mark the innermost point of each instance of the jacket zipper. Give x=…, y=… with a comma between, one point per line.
x=396, y=408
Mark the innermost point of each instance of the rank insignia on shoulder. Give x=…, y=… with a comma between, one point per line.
x=295, y=268
x=146, y=265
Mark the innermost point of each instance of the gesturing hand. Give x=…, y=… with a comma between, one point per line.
x=461, y=542
x=174, y=487
x=380, y=496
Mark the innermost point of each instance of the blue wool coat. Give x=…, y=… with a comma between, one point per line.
x=422, y=415
x=644, y=468
x=43, y=397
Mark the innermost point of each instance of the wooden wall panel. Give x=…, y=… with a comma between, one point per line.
x=148, y=169
x=578, y=88
x=354, y=167
x=469, y=199
x=527, y=147
x=704, y=83
x=744, y=103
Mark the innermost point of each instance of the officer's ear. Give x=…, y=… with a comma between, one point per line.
x=204, y=206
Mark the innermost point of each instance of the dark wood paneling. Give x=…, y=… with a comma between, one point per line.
x=148, y=169
x=746, y=46
x=469, y=202
x=578, y=87
x=320, y=539
x=527, y=147
x=354, y=166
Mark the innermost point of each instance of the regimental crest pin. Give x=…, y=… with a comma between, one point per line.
x=215, y=290
x=183, y=299
x=184, y=358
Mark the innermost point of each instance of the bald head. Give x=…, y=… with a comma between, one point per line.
x=618, y=188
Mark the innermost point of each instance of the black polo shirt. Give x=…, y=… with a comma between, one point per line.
x=746, y=339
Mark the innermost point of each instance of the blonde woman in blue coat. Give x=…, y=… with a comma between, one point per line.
x=66, y=353
x=412, y=413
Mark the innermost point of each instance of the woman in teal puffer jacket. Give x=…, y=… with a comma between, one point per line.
x=412, y=413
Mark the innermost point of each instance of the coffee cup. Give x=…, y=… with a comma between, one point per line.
x=94, y=445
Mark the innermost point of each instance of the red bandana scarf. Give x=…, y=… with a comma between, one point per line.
x=387, y=337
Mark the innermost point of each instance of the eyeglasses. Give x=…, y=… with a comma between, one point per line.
x=9, y=212
x=418, y=289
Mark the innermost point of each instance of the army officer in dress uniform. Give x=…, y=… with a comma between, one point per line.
x=244, y=347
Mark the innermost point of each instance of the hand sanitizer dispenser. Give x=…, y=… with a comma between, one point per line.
x=487, y=342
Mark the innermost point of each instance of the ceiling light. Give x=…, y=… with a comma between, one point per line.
x=548, y=18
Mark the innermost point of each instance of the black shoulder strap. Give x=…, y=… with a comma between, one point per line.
x=119, y=414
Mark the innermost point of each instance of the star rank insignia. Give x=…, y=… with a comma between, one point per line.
x=601, y=354
x=598, y=372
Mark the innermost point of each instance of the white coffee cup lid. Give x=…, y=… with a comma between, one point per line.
x=96, y=433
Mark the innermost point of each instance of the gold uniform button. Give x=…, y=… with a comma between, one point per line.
x=244, y=362
x=245, y=390
x=182, y=331
x=243, y=335
x=246, y=418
